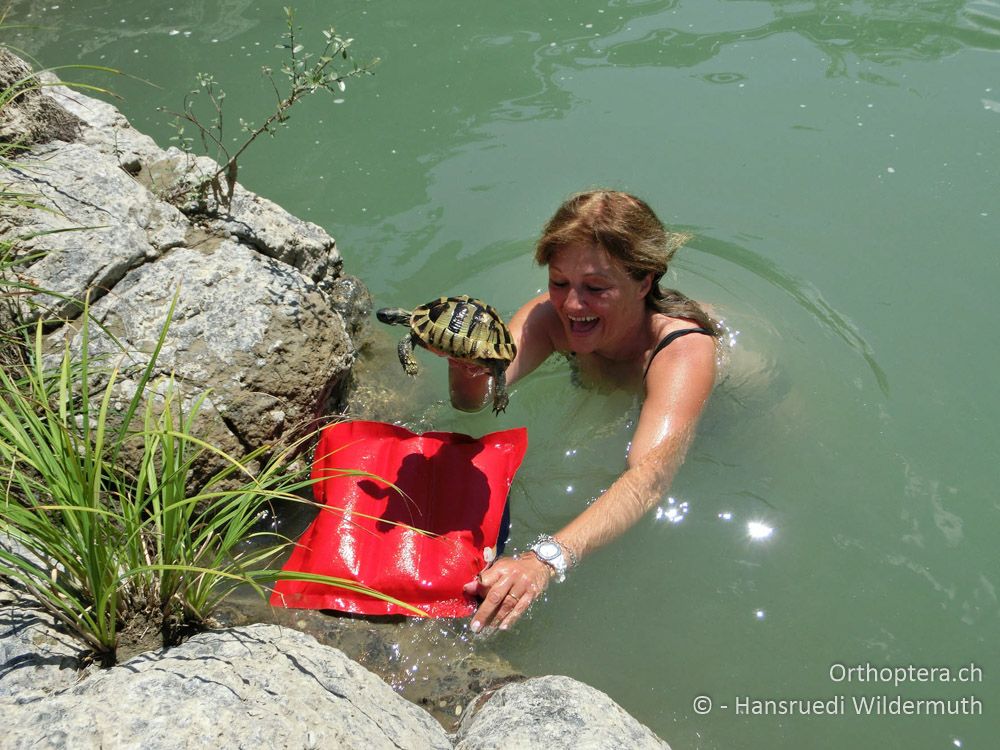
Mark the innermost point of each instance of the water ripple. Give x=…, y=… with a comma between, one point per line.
x=804, y=293
x=723, y=77
x=875, y=32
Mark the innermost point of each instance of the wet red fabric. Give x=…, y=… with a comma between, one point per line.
x=451, y=485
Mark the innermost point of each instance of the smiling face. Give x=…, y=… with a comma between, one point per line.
x=601, y=307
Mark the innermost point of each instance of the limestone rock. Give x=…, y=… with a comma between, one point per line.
x=30, y=117
x=255, y=328
x=432, y=663
x=36, y=657
x=549, y=712
x=96, y=224
x=253, y=334
x=251, y=219
x=259, y=686
x=350, y=297
x=104, y=128
x=272, y=686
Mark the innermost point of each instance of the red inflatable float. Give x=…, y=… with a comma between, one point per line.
x=418, y=541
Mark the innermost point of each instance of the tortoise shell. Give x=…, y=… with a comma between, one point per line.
x=463, y=328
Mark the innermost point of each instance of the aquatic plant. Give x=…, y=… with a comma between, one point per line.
x=113, y=553
x=303, y=74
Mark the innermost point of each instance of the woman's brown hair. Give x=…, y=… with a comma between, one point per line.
x=630, y=231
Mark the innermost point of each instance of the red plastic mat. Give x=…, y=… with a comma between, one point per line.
x=451, y=485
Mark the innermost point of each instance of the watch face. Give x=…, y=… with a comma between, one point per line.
x=548, y=550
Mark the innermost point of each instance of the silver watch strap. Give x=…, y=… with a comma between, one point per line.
x=567, y=550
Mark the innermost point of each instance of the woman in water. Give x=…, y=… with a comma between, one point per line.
x=606, y=252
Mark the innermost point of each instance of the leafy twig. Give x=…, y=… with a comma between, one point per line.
x=304, y=74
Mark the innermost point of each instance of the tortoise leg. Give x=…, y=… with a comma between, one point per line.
x=500, y=398
x=406, y=357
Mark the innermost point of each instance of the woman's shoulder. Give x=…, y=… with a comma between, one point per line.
x=667, y=325
x=538, y=317
x=690, y=345
x=540, y=305
x=537, y=333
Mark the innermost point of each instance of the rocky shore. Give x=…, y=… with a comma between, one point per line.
x=264, y=329
x=266, y=686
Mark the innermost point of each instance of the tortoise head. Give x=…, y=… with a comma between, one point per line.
x=393, y=316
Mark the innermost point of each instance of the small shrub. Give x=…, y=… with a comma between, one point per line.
x=302, y=75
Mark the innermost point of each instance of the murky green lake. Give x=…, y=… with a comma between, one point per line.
x=839, y=165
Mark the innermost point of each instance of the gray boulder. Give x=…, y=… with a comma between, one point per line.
x=103, y=128
x=269, y=686
x=260, y=338
x=261, y=327
x=30, y=116
x=249, y=218
x=273, y=686
x=258, y=686
x=36, y=657
x=551, y=712
x=93, y=225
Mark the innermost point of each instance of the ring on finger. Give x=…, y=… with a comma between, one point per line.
x=513, y=596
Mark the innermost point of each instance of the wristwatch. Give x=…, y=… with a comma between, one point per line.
x=550, y=552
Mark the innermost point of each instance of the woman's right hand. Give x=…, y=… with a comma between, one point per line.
x=507, y=588
x=469, y=385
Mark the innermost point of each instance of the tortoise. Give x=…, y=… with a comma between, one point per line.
x=462, y=328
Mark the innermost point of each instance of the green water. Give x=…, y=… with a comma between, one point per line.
x=838, y=164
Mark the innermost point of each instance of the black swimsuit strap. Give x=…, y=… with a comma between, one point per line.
x=666, y=340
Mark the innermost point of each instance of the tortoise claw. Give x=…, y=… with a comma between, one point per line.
x=500, y=402
x=500, y=396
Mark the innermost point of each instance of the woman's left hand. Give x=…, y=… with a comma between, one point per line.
x=507, y=588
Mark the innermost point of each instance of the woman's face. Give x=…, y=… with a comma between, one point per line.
x=601, y=307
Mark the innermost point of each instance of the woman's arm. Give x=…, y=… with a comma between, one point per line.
x=677, y=387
